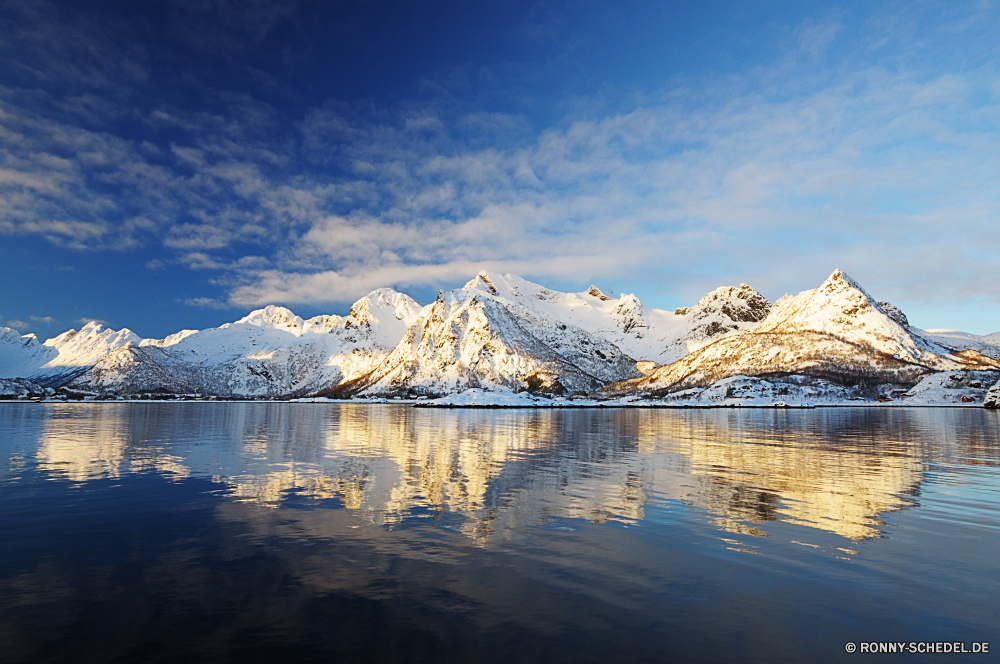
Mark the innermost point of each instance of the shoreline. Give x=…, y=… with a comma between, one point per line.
x=501, y=406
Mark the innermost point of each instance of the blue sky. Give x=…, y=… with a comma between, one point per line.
x=175, y=163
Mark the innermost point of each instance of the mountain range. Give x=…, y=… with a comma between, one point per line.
x=502, y=334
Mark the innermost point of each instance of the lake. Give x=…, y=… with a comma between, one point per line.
x=265, y=532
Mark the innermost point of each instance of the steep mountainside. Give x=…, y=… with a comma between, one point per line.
x=724, y=311
x=641, y=332
x=271, y=352
x=476, y=336
x=60, y=358
x=836, y=331
x=90, y=344
x=21, y=356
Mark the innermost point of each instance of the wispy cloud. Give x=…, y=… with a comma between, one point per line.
x=877, y=172
x=870, y=161
x=88, y=321
x=206, y=303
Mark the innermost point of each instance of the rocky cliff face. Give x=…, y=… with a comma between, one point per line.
x=722, y=312
x=641, y=332
x=482, y=336
x=894, y=313
x=992, y=399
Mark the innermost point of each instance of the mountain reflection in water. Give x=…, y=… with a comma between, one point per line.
x=498, y=469
x=262, y=532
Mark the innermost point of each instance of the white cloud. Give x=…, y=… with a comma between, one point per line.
x=873, y=173
x=773, y=178
x=206, y=303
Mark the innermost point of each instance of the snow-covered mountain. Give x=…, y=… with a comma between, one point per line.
x=724, y=311
x=83, y=349
x=61, y=358
x=475, y=337
x=270, y=352
x=21, y=356
x=502, y=333
x=836, y=331
x=641, y=332
x=988, y=345
x=505, y=333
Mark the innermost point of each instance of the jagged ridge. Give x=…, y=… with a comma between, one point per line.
x=836, y=331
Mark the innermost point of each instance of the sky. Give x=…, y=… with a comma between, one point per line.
x=175, y=164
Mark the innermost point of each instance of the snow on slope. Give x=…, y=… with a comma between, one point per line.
x=950, y=387
x=21, y=388
x=270, y=352
x=835, y=331
x=476, y=336
x=724, y=311
x=169, y=340
x=992, y=399
x=641, y=332
x=61, y=357
x=21, y=355
x=988, y=345
x=90, y=344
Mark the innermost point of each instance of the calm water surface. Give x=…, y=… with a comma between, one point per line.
x=379, y=533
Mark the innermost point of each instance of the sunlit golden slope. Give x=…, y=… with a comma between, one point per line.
x=836, y=331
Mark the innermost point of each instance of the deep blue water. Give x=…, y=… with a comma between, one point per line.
x=266, y=532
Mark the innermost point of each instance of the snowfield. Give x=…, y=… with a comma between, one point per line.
x=502, y=341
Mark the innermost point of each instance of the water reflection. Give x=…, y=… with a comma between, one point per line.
x=835, y=470
x=102, y=443
x=836, y=473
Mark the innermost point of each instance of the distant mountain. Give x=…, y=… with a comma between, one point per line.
x=723, y=312
x=81, y=350
x=502, y=333
x=550, y=341
x=269, y=353
x=836, y=332
x=988, y=345
x=61, y=358
x=22, y=356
